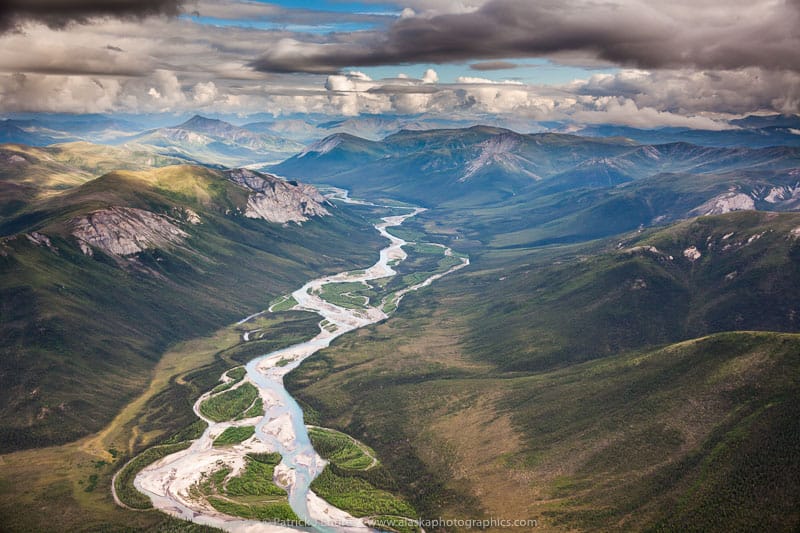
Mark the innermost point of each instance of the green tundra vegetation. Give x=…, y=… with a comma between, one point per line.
x=613, y=384
x=257, y=409
x=251, y=494
x=234, y=435
x=350, y=295
x=126, y=492
x=354, y=480
x=350, y=491
x=229, y=404
x=342, y=450
x=284, y=303
x=234, y=375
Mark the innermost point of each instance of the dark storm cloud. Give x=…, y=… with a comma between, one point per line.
x=493, y=65
x=717, y=34
x=60, y=13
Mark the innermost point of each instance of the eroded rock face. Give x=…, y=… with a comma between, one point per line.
x=276, y=200
x=692, y=254
x=725, y=203
x=125, y=231
x=40, y=239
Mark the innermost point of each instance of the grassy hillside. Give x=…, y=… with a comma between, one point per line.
x=80, y=333
x=564, y=385
x=62, y=166
x=28, y=173
x=625, y=294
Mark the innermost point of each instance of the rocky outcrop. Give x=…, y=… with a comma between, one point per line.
x=784, y=196
x=124, y=231
x=11, y=158
x=725, y=203
x=39, y=239
x=493, y=150
x=692, y=254
x=277, y=200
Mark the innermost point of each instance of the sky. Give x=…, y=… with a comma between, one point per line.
x=642, y=63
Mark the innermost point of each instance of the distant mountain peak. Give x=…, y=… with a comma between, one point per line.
x=201, y=122
x=324, y=146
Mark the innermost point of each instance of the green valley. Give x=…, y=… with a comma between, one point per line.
x=578, y=386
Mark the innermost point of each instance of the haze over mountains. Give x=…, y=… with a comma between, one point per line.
x=754, y=131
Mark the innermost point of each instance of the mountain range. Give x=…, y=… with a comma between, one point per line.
x=213, y=142
x=620, y=353
x=755, y=131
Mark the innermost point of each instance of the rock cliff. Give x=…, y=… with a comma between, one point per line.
x=124, y=231
x=277, y=200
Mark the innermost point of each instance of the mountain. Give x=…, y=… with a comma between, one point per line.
x=25, y=132
x=214, y=142
x=28, y=173
x=617, y=384
x=504, y=189
x=785, y=134
x=309, y=129
x=768, y=121
x=437, y=165
x=97, y=280
x=42, y=129
x=293, y=129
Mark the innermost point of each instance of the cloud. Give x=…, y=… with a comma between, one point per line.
x=484, y=81
x=267, y=12
x=429, y=8
x=630, y=98
x=493, y=65
x=430, y=76
x=689, y=92
x=58, y=94
x=718, y=34
x=178, y=64
x=625, y=112
x=204, y=94
x=42, y=50
x=61, y=13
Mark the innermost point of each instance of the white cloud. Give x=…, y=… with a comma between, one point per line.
x=58, y=94
x=430, y=76
x=611, y=110
x=204, y=93
x=690, y=92
x=485, y=81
